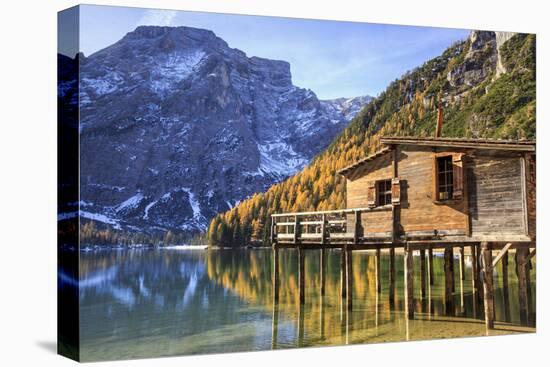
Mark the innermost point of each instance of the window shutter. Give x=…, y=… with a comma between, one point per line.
x=458, y=176
x=395, y=191
x=371, y=194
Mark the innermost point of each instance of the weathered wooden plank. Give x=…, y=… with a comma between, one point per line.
x=409, y=285
x=448, y=259
x=488, y=298
x=501, y=253
x=461, y=256
x=505, y=288
x=475, y=273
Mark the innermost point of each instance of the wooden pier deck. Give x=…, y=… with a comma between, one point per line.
x=342, y=229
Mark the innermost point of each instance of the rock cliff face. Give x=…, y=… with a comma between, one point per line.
x=176, y=126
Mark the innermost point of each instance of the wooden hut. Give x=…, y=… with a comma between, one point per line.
x=425, y=194
x=446, y=189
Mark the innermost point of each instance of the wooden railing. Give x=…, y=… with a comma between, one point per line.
x=322, y=227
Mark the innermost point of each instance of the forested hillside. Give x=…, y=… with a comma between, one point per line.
x=487, y=88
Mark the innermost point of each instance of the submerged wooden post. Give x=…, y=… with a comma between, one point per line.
x=301, y=274
x=521, y=264
x=378, y=272
x=276, y=280
x=392, y=277
x=505, y=289
x=431, y=266
x=343, y=272
x=349, y=278
x=475, y=289
x=423, y=273
x=322, y=267
x=448, y=258
x=409, y=286
x=488, y=296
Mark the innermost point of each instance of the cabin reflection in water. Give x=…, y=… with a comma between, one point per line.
x=325, y=319
x=465, y=198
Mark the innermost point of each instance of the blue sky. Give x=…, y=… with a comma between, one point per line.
x=332, y=58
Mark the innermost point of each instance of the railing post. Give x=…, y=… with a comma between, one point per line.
x=357, y=227
x=296, y=229
x=324, y=230
x=273, y=231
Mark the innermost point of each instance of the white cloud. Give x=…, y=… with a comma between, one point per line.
x=158, y=17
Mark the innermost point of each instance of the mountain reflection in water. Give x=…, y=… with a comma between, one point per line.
x=150, y=303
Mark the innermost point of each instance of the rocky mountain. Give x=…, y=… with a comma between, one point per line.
x=348, y=107
x=176, y=126
x=487, y=86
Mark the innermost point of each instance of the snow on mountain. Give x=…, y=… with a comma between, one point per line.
x=176, y=126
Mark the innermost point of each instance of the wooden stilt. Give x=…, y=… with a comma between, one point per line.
x=461, y=278
x=521, y=255
x=349, y=279
x=479, y=270
x=423, y=274
x=343, y=273
x=378, y=271
x=505, y=289
x=392, y=277
x=448, y=258
x=488, y=296
x=431, y=266
x=276, y=281
x=474, y=269
x=461, y=269
x=301, y=274
x=453, y=270
x=322, y=267
x=409, y=286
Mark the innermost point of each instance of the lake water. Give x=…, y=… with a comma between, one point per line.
x=158, y=302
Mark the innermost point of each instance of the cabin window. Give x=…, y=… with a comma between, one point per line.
x=444, y=178
x=383, y=190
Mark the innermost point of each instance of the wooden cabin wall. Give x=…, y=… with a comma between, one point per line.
x=495, y=191
x=531, y=184
x=418, y=210
x=377, y=221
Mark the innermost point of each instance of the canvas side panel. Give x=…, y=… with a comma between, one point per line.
x=67, y=183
